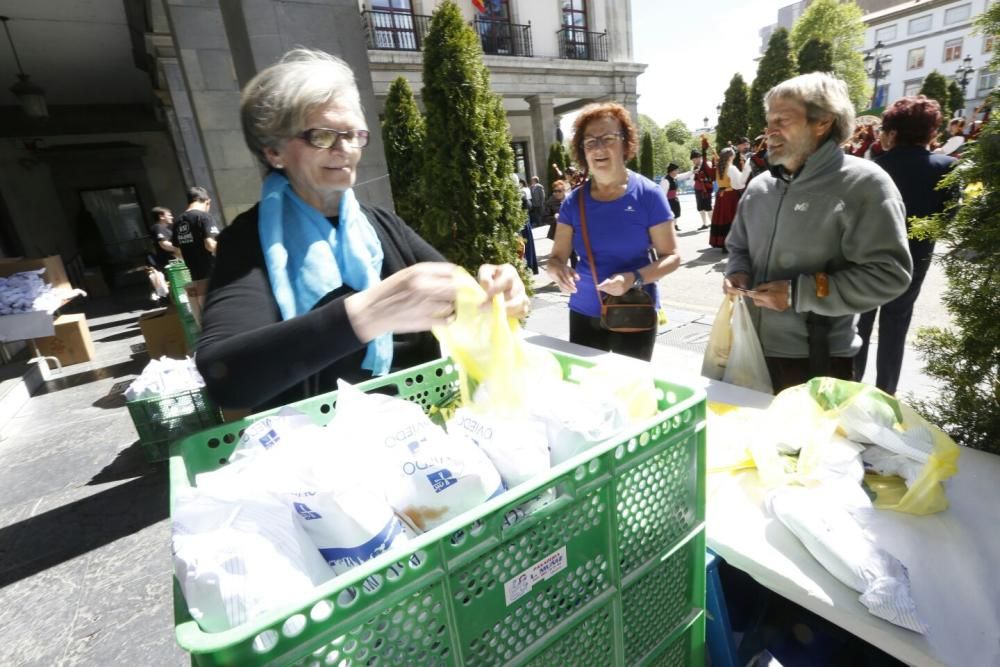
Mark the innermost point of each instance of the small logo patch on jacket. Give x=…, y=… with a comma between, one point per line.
x=802, y=206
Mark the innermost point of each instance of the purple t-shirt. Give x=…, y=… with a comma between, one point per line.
x=619, y=235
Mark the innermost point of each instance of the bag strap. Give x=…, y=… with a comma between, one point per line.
x=586, y=239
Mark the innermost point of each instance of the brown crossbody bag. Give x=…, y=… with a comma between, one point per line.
x=631, y=312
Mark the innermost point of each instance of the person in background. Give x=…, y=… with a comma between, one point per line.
x=669, y=187
x=194, y=234
x=626, y=216
x=528, y=254
x=908, y=127
x=537, y=192
x=731, y=183
x=956, y=138
x=818, y=239
x=311, y=285
x=161, y=232
x=704, y=184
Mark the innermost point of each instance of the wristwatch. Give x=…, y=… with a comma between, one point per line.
x=638, y=281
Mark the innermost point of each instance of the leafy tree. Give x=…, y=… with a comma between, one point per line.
x=777, y=65
x=677, y=132
x=646, y=155
x=965, y=357
x=956, y=98
x=403, y=132
x=734, y=118
x=473, y=213
x=558, y=157
x=840, y=24
x=633, y=164
x=816, y=55
x=935, y=87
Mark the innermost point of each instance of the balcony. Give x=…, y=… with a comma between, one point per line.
x=395, y=31
x=576, y=44
x=502, y=38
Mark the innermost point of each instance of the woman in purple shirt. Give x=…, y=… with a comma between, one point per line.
x=627, y=218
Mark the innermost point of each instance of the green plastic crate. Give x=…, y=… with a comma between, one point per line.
x=165, y=419
x=178, y=275
x=622, y=548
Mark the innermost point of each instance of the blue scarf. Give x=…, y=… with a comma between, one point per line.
x=307, y=257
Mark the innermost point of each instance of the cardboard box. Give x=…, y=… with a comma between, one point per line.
x=71, y=343
x=196, y=291
x=55, y=271
x=164, y=334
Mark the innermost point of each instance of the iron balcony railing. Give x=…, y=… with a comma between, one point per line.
x=577, y=44
x=502, y=38
x=395, y=31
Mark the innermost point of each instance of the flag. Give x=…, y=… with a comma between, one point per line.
x=480, y=7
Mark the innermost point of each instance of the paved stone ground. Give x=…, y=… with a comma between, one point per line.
x=85, y=571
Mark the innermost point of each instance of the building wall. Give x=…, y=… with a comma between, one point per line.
x=932, y=41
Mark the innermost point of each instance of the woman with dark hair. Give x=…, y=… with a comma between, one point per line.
x=626, y=215
x=731, y=183
x=956, y=138
x=908, y=127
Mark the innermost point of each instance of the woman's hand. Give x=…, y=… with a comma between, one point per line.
x=505, y=280
x=415, y=299
x=617, y=284
x=563, y=274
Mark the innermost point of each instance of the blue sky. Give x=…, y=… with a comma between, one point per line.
x=691, y=55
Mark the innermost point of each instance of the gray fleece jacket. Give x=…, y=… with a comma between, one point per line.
x=840, y=215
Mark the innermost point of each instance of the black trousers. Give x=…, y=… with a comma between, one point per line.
x=584, y=330
x=787, y=372
x=893, y=323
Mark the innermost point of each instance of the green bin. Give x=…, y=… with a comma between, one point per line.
x=610, y=573
x=178, y=275
x=164, y=419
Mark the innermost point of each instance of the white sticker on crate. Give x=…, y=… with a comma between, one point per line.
x=544, y=569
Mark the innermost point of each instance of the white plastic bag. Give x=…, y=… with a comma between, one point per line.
x=237, y=558
x=428, y=476
x=720, y=340
x=517, y=447
x=745, y=366
x=577, y=417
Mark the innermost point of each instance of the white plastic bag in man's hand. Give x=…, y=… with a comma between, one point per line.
x=238, y=558
x=428, y=476
x=746, y=366
x=720, y=340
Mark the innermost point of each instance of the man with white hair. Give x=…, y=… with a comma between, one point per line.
x=818, y=239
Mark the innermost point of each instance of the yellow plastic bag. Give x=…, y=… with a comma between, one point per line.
x=720, y=341
x=486, y=346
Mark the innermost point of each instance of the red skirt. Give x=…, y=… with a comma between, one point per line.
x=722, y=217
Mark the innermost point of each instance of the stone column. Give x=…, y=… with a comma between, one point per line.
x=543, y=133
x=203, y=51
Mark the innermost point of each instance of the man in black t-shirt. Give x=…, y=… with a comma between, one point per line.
x=194, y=234
x=162, y=233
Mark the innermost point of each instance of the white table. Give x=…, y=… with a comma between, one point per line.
x=953, y=557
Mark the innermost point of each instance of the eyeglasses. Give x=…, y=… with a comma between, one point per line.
x=607, y=141
x=326, y=137
x=558, y=190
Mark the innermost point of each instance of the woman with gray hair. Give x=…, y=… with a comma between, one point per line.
x=311, y=285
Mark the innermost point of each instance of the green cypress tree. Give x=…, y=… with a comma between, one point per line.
x=646, y=156
x=557, y=157
x=935, y=87
x=816, y=55
x=403, y=132
x=734, y=118
x=473, y=213
x=965, y=357
x=956, y=98
x=840, y=24
x=633, y=163
x=777, y=65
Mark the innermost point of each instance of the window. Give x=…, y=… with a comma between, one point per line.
x=391, y=26
x=915, y=58
x=881, y=97
x=919, y=25
x=574, y=23
x=957, y=14
x=912, y=87
x=886, y=34
x=987, y=43
x=987, y=83
x=953, y=50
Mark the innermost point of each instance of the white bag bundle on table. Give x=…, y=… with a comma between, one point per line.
x=237, y=558
x=834, y=538
x=428, y=476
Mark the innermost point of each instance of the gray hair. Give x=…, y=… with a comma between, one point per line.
x=275, y=104
x=824, y=96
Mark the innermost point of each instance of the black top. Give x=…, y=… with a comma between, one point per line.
x=916, y=172
x=160, y=231
x=250, y=358
x=191, y=228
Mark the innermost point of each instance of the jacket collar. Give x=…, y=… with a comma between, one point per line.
x=828, y=157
